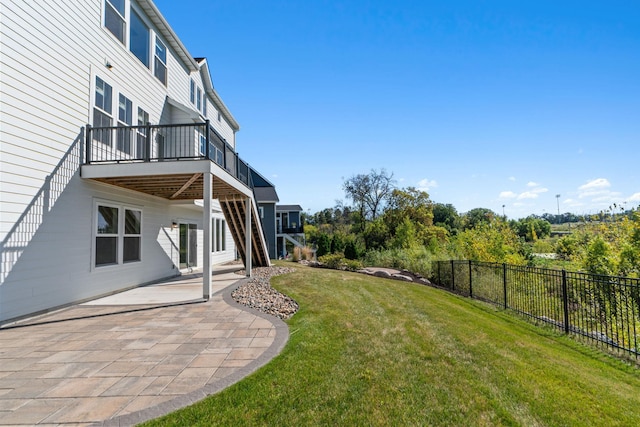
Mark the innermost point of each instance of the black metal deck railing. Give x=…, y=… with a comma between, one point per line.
x=159, y=143
x=602, y=309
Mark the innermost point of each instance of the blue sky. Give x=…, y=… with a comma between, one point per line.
x=479, y=103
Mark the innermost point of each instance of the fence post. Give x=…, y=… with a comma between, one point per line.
x=565, y=301
x=504, y=283
x=470, y=286
x=87, y=144
x=453, y=277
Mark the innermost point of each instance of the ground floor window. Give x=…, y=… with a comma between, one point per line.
x=220, y=233
x=118, y=234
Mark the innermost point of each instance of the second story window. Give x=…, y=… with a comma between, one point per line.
x=160, y=62
x=139, y=39
x=125, y=115
x=199, y=100
x=204, y=107
x=141, y=134
x=114, y=18
x=102, y=111
x=192, y=92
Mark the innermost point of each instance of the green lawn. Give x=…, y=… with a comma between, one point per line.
x=368, y=351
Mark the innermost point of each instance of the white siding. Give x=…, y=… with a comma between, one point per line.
x=50, y=54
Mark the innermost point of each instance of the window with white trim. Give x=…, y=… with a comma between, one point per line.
x=139, y=38
x=220, y=239
x=204, y=107
x=102, y=111
x=118, y=234
x=114, y=20
x=203, y=144
x=192, y=92
x=125, y=116
x=160, y=62
x=141, y=134
x=199, y=99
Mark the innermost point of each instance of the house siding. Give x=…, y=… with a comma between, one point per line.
x=50, y=55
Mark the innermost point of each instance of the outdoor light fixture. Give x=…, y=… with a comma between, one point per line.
x=174, y=225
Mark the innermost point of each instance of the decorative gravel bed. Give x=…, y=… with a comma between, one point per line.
x=257, y=293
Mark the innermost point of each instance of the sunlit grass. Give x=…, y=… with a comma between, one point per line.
x=370, y=351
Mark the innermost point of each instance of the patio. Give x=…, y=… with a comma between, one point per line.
x=132, y=356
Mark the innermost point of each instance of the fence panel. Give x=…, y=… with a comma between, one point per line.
x=601, y=309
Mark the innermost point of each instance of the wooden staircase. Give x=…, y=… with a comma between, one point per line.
x=234, y=210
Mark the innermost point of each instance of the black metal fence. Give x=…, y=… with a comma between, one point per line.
x=602, y=309
x=159, y=143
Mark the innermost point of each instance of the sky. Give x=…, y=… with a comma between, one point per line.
x=497, y=104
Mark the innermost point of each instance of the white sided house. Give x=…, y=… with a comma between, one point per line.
x=118, y=162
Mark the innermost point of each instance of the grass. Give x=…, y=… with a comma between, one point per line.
x=370, y=351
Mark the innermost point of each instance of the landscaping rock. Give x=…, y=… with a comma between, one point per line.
x=257, y=293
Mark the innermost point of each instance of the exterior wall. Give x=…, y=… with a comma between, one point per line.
x=269, y=227
x=50, y=55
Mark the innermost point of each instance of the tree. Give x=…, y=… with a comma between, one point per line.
x=412, y=206
x=477, y=216
x=446, y=216
x=532, y=228
x=369, y=192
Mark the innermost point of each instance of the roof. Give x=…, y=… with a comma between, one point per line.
x=265, y=194
x=289, y=208
x=209, y=89
x=168, y=34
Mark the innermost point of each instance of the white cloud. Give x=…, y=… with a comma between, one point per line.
x=512, y=178
x=426, y=184
x=598, y=183
x=528, y=195
x=634, y=198
x=507, y=195
x=532, y=184
x=598, y=187
x=540, y=190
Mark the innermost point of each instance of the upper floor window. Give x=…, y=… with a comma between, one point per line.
x=102, y=111
x=114, y=18
x=125, y=115
x=141, y=137
x=204, y=106
x=139, y=38
x=160, y=62
x=192, y=92
x=199, y=100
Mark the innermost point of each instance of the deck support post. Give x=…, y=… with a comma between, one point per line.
x=247, y=236
x=206, y=228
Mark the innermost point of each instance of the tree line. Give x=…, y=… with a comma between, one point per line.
x=385, y=225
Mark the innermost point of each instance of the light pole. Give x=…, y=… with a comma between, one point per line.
x=503, y=211
x=558, y=200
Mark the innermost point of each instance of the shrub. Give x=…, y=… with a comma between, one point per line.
x=335, y=261
x=352, y=264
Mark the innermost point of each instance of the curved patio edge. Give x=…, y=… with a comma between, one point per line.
x=279, y=341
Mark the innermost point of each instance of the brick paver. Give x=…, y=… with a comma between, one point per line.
x=123, y=364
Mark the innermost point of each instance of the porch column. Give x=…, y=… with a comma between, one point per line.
x=247, y=237
x=206, y=228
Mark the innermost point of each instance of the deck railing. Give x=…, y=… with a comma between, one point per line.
x=160, y=143
x=601, y=309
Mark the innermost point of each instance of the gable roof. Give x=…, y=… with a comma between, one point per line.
x=209, y=89
x=151, y=10
x=289, y=208
x=266, y=194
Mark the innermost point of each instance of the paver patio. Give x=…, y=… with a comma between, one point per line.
x=110, y=363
